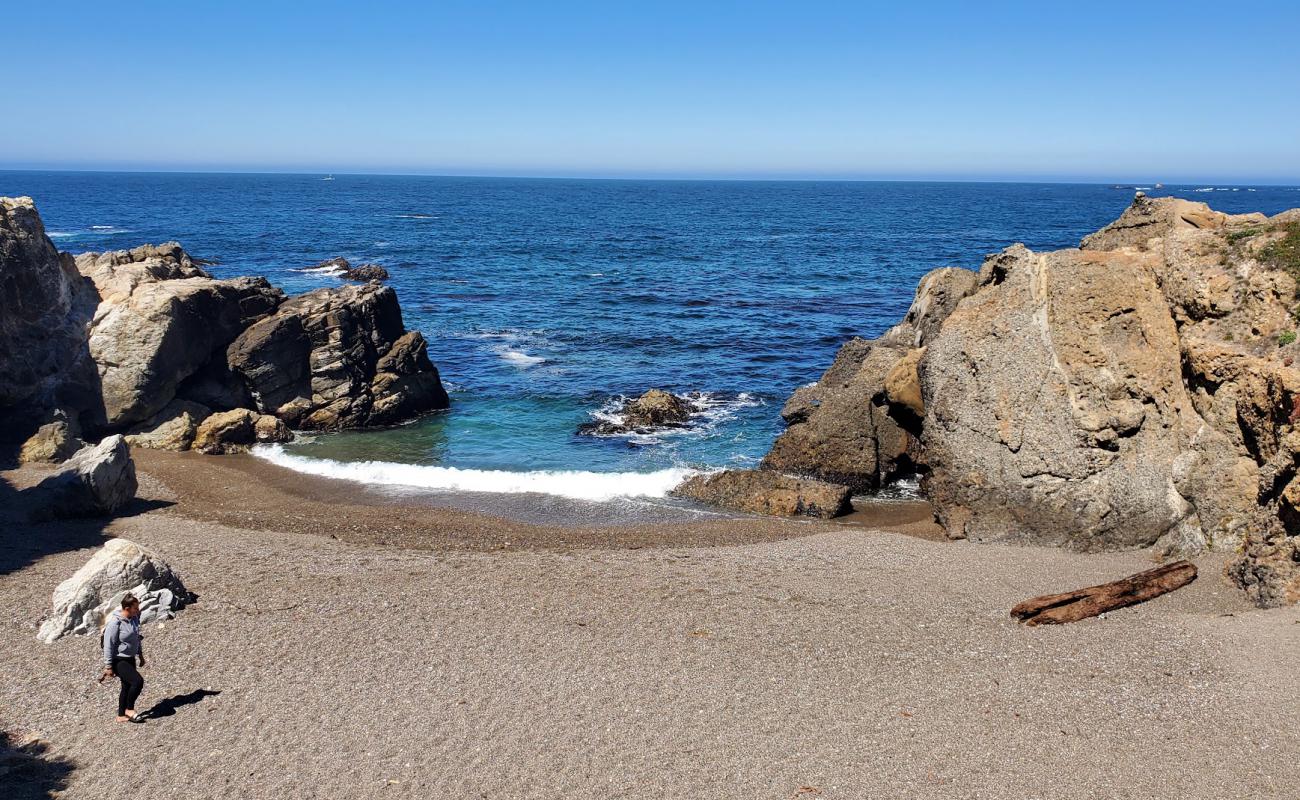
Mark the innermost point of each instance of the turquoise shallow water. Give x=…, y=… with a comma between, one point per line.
x=544, y=300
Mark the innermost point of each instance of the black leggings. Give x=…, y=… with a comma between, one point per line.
x=132, y=683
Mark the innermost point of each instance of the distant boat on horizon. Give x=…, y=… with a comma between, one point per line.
x=328, y=178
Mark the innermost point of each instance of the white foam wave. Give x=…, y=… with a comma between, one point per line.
x=93, y=230
x=520, y=359
x=574, y=484
x=332, y=269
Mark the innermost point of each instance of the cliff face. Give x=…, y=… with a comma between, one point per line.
x=1138, y=390
x=45, y=306
x=139, y=341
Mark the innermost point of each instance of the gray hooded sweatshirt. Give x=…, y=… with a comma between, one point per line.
x=121, y=638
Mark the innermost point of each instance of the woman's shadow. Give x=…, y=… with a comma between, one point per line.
x=167, y=707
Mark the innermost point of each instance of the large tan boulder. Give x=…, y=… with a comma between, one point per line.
x=172, y=428
x=160, y=320
x=237, y=430
x=337, y=358
x=1055, y=406
x=767, y=492
x=54, y=441
x=1137, y=391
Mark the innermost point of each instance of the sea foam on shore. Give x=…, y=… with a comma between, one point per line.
x=574, y=484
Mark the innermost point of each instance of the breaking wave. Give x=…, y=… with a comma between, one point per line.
x=519, y=358
x=574, y=484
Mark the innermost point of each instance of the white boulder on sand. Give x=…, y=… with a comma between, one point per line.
x=98, y=479
x=82, y=602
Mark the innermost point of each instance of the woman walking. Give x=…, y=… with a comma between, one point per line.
x=121, y=650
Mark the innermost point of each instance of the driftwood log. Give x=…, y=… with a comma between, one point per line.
x=1054, y=609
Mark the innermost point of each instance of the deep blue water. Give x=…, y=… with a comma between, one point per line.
x=542, y=299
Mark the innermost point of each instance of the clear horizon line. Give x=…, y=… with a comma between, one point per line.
x=756, y=178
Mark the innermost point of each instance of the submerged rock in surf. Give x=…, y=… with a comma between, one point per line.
x=656, y=409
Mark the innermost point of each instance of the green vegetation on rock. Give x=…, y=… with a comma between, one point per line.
x=1284, y=253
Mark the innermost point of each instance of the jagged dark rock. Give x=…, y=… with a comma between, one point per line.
x=366, y=273
x=337, y=358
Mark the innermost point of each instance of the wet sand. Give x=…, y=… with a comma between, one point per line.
x=347, y=646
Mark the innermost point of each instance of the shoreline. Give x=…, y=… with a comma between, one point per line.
x=252, y=493
x=427, y=647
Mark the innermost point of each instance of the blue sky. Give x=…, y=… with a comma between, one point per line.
x=1107, y=91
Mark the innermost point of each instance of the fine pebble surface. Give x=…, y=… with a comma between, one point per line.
x=545, y=302
x=787, y=660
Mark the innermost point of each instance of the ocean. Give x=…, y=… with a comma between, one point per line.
x=546, y=301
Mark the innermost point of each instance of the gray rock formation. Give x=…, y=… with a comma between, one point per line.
x=82, y=603
x=337, y=358
x=1055, y=407
x=97, y=480
x=767, y=492
x=44, y=308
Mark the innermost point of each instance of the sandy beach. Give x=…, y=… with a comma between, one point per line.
x=346, y=648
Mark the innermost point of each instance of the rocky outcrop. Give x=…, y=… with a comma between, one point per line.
x=139, y=341
x=337, y=358
x=838, y=429
x=342, y=268
x=237, y=430
x=160, y=320
x=1136, y=391
x=847, y=428
x=54, y=441
x=44, y=308
x=365, y=273
x=173, y=428
x=653, y=410
x=767, y=492
x=1055, y=406
x=82, y=603
x=97, y=480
